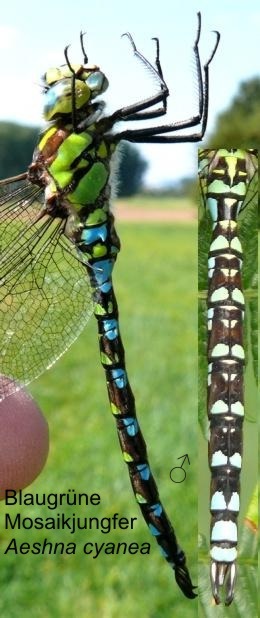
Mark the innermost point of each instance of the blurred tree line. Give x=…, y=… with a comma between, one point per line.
x=17, y=143
x=239, y=125
x=16, y=147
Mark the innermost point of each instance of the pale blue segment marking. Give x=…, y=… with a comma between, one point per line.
x=218, y=502
x=218, y=459
x=236, y=244
x=238, y=296
x=223, y=554
x=219, y=407
x=234, y=503
x=219, y=350
x=211, y=263
x=219, y=243
x=212, y=205
x=236, y=460
x=237, y=408
x=224, y=531
x=219, y=294
x=238, y=351
x=219, y=187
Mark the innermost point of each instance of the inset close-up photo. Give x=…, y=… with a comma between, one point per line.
x=228, y=238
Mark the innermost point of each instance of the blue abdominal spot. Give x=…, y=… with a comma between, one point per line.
x=144, y=471
x=111, y=329
x=119, y=376
x=131, y=426
x=102, y=271
x=154, y=531
x=157, y=509
x=93, y=234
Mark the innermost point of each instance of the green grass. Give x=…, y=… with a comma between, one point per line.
x=154, y=203
x=156, y=285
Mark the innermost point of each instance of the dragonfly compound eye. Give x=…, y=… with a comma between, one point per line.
x=97, y=82
x=58, y=98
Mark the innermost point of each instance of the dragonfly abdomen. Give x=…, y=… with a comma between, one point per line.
x=225, y=412
x=227, y=185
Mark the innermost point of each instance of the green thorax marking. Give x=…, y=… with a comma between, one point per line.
x=81, y=165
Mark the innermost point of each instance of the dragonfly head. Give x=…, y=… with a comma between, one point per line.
x=71, y=85
x=59, y=83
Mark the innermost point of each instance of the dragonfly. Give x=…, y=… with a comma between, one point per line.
x=229, y=186
x=59, y=246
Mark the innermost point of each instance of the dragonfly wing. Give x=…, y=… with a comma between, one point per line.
x=45, y=296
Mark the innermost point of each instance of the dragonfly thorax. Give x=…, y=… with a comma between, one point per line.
x=65, y=87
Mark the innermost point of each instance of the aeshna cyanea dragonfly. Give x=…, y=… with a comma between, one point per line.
x=57, y=227
x=229, y=186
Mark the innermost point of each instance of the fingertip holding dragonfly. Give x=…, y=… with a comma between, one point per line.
x=24, y=439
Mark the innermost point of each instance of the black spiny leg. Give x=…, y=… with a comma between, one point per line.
x=159, y=70
x=73, y=93
x=136, y=111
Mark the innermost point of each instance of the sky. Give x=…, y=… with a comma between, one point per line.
x=33, y=36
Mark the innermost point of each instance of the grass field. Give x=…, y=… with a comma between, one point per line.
x=154, y=203
x=156, y=284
